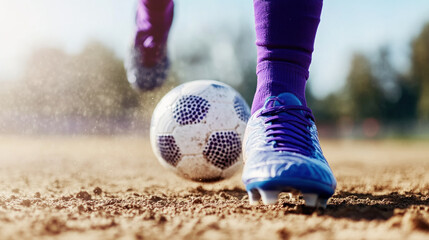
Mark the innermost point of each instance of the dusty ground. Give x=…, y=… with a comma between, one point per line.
x=110, y=188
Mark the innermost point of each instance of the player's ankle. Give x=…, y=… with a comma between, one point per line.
x=275, y=78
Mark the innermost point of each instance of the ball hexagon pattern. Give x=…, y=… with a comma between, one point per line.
x=190, y=109
x=197, y=129
x=168, y=149
x=240, y=107
x=223, y=149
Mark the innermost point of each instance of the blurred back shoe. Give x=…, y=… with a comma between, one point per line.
x=147, y=62
x=142, y=76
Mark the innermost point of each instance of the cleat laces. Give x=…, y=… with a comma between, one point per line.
x=288, y=127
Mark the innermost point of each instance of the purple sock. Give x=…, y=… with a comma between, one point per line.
x=285, y=33
x=154, y=19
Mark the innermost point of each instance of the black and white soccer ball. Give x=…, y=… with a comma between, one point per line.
x=197, y=129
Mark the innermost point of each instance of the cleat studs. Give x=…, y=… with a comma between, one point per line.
x=310, y=199
x=254, y=197
x=322, y=202
x=253, y=203
x=268, y=196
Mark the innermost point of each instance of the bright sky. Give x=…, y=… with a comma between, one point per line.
x=346, y=26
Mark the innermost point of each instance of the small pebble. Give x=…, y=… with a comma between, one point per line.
x=97, y=191
x=83, y=195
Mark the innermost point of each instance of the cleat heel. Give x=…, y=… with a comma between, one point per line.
x=310, y=199
x=254, y=197
x=268, y=196
x=322, y=202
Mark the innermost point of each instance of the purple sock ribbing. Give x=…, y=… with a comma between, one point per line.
x=285, y=33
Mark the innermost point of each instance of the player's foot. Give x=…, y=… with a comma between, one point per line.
x=144, y=75
x=282, y=154
x=147, y=64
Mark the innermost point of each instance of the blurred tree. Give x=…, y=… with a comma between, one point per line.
x=386, y=75
x=399, y=98
x=420, y=71
x=88, y=90
x=362, y=90
x=327, y=110
x=91, y=84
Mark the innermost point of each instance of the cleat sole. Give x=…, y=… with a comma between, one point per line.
x=254, y=197
x=292, y=185
x=315, y=194
x=322, y=203
x=310, y=199
x=314, y=201
x=269, y=196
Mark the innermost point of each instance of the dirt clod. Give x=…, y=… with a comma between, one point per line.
x=26, y=203
x=97, y=191
x=84, y=195
x=283, y=234
x=413, y=221
x=155, y=198
x=160, y=218
x=55, y=226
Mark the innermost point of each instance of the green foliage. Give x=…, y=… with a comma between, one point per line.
x=364, y=94
x=373, y=90
x=327, y=110
x=420, y=71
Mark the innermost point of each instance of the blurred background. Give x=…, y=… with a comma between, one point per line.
x=61, y=65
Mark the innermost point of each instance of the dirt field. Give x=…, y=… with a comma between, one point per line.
x=113, y=188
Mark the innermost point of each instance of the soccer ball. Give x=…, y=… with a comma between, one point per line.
x=197, y=129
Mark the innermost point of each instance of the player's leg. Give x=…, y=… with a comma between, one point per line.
x=281, y=146
x=147, y=64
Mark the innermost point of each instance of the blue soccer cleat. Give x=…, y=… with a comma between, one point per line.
x=282, y=154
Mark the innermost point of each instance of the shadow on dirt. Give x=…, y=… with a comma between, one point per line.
x=343, y=204
x=368, y=206
x=224, y=193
